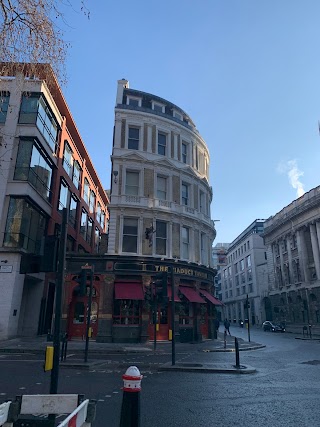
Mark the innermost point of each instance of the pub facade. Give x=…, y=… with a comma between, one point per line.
x=123, y=305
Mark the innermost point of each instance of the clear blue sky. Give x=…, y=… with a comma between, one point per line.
x=246, y=71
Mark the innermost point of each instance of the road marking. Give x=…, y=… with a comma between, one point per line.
x=3, y=394
x=22, y=388
x=20, y=360
x=100, y=400
x=69, y=355
x=107, y=395
x=115, y=392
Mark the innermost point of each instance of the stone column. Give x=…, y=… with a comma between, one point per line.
x=315, y=249
x=144, y=336
x=105, y=309
x=290, y=259
x=318, y=232
x=302, y=251
x=282, y=264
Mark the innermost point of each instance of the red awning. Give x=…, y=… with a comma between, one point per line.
x=191, y=294
x=210, y=297
x=176, y=298
x=128, y=290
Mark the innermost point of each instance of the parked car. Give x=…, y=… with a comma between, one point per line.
x=274, y=327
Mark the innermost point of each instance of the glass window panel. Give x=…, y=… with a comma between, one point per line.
x=63, y=197
x=133, y=140
x=86, y=191
x=67, y=158
x=134, y=102
x=162, y=142
x=185, y=194
x=132, y=183
x=130, y=235
x=76, y=174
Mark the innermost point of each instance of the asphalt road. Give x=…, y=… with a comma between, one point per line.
x=284, y=391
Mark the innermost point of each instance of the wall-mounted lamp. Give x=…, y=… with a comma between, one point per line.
x=115, y=176
x=4, y=260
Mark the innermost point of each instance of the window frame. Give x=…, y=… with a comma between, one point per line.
x=126, y=236
x=160, y=239
x=133, y=98
x=160, y=191
x=134, y=142
x=160, y=145
x=185, y=242
x=134, y=186
x=158, y=105
x=185, y=199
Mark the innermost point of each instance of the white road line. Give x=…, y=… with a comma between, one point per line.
x=69, y=355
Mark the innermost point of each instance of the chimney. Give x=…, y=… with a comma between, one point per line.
x=122, y=84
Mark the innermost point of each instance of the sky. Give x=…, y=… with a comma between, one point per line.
x=246, y=71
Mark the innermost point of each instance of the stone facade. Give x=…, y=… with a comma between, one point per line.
x=292, y=237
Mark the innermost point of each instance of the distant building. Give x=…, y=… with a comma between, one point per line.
x=245, y=274
x=219, y=259
x=292, y=237
x=44, y=167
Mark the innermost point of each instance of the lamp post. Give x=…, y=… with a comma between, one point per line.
x=88, y=326
x=58, y=303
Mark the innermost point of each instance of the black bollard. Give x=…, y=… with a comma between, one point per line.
x=225, y=339
x=130, y=408
x=236, y=346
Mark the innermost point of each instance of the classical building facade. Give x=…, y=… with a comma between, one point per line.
x=245, y=274
x=159, y=221
x=292, y=237
x=44, y=167
x=219, y=260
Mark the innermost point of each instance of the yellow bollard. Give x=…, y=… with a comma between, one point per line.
x=170, y=334
x=48, y=363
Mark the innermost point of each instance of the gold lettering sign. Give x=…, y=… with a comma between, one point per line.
x=184, y=271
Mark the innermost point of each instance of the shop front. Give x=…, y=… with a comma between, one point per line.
x=123, y=305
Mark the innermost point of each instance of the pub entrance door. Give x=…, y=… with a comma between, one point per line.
x=78, y=313
x=163, y=320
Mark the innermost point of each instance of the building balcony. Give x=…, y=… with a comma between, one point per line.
x=141, y=202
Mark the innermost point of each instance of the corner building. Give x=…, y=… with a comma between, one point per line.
x=160, y=183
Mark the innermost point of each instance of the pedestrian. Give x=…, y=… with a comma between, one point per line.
x=216, y=327
x=227, y=326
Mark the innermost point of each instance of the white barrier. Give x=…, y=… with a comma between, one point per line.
x=78, y=417
x=4, y=410
x=45, y=404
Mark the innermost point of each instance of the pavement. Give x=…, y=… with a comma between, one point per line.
x=37, y=345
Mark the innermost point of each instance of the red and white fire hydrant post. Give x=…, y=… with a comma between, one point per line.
x=130, y=409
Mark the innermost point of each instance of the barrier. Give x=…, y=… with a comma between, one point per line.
x=82, y=413
x=4, y=411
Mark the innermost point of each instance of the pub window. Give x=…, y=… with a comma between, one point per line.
x=126, y=312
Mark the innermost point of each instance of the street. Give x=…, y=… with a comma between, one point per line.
x=283, y=392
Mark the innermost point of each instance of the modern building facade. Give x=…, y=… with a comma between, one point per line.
x=159, y=222
x=245, y=275
x=44, y=167
x=292, y=238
